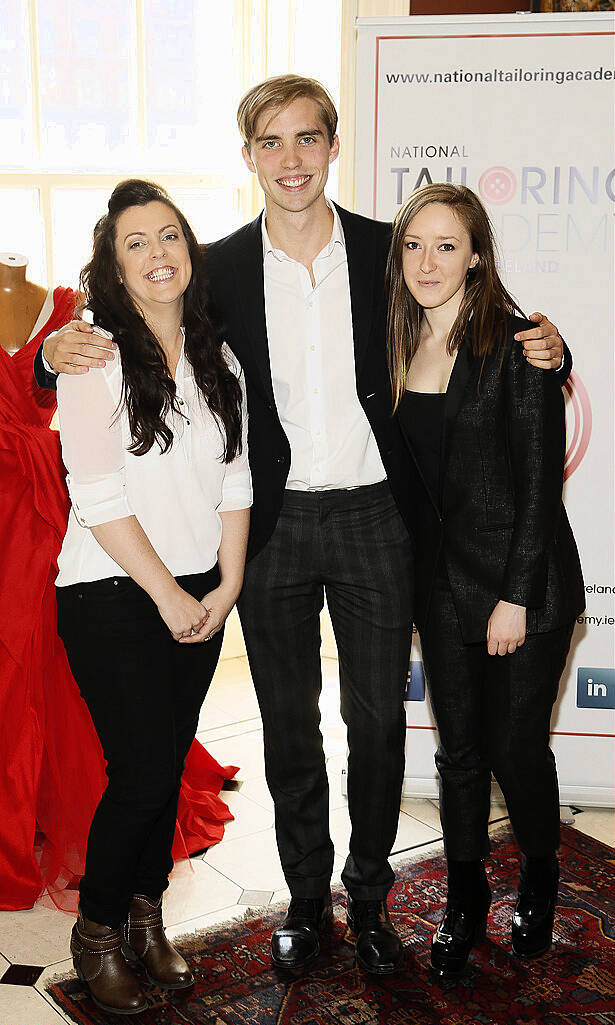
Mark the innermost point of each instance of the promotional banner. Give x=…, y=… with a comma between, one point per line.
x=520, y=108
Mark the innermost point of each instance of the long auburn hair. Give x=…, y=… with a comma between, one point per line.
x=149, y=391
x=485, y=301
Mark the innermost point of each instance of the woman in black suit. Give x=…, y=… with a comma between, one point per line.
x=499, y=580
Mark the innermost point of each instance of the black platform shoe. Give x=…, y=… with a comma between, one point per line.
x=465, y=917
x=532, y=920
x=378, y=947
x=296, y=943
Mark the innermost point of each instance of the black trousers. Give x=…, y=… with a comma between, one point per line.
x=144, y=692
x=493, y=714
x=353, y=546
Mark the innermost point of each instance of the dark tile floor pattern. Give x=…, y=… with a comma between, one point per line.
x=21, y=975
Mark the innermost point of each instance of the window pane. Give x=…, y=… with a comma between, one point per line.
x=74, y=214
x=211, y=213
x=280, y=32
x=16, y=149
x=22, y=229
x=88, y=75
x=193, y=85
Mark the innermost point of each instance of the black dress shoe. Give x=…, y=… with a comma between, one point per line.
x=296, y=942
x=532, y=920
x=461, y=929
x=379, y=948
x=532, y=924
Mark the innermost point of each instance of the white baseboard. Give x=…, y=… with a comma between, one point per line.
x=426, y=788
x=587, y=797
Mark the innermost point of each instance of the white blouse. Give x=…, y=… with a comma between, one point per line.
x=176, y=496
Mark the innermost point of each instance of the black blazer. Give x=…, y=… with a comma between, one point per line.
x=500, y=524
x=235, y=268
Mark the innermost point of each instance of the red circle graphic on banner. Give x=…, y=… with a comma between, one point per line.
x=579, y=425
x=497, y=185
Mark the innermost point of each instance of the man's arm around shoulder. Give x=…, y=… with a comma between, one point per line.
x=71, y=350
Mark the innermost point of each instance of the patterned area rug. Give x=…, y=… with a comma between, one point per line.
x=572, y=985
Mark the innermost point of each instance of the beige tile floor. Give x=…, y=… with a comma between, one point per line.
x=243, y=871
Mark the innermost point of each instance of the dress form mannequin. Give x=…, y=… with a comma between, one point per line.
x=21, y=302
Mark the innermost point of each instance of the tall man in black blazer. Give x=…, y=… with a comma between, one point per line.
x=300, y=292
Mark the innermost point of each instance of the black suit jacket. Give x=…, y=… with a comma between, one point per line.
x=499, y=524
x=235, y=269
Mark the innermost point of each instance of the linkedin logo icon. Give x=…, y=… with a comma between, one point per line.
x=415, y=687
x=595, y=688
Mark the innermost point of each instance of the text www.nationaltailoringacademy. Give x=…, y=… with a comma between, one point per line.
x=520, y=75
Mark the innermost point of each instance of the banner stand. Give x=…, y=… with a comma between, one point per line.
x=521, y=109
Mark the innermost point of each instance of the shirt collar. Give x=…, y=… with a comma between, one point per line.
x=337, y=237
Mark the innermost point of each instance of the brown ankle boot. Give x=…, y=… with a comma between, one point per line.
x=145, y=940
x=100, y=964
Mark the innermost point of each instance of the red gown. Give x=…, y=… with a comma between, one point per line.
x=52, y=771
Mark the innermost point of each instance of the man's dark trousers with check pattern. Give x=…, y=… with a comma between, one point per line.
x=352, y=546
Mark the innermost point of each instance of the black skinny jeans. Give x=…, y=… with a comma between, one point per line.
x=144, y=692
x=493, y=714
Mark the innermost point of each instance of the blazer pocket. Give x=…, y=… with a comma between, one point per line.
x=494, y=527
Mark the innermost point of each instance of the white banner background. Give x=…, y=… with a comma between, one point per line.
x=540, y=153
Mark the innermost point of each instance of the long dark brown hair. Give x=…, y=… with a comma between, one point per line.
x=485, y=300
x=148, y=389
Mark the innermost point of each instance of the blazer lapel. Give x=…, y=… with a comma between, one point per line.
x=251, y=299
x=361, y=280
x=461, y=373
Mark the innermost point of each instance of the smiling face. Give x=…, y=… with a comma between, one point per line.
x=290, y=155
x=152, y=255
x=437, y=254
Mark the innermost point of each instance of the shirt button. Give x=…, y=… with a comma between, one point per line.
x=188, y=422
x=181, y=402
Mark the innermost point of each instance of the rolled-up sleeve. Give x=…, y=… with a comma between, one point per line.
x=92, y=448
x=237, y=483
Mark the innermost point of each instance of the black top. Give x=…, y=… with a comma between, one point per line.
x=422, y=417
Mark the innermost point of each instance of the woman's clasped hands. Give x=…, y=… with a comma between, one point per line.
x=191, y=621
x=218, y=603
x=184, y=615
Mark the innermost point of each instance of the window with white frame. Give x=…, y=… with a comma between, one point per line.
x=94, y=92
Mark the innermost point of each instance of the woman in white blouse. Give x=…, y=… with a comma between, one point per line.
x=154, y=442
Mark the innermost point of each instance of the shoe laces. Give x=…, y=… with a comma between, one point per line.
x=368, y=912
x=303, y=907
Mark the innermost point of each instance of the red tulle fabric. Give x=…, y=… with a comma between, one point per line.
x=52, y=771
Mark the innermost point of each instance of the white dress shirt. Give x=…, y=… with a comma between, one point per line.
x=311, y=351
x=176, y=496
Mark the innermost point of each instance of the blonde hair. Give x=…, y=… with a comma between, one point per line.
x=276, y=94
x=486, y=300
